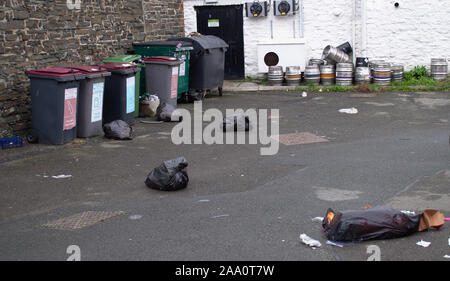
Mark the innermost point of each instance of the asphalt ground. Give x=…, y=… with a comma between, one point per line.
x=239, y=205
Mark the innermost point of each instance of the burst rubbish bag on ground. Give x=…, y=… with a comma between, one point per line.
x=118, y=130
x=236, y=123
x=371, y=224
x=167, y=113
x=170, y=176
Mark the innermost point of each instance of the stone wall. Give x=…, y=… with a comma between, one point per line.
x=38, y=34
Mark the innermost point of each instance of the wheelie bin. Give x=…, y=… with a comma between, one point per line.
x=178, y=49
x=207, y=64
x=90, y=101
x=120, y=92
x=161, y=75
x=54, y=97
x=140, y=88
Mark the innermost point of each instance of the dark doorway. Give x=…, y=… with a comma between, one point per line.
x=227, y=23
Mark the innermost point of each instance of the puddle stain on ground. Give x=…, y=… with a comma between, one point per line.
x=334, y=194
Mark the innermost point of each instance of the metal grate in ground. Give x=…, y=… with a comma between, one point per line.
x=81, y=220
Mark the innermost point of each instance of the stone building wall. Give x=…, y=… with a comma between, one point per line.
x=38, y=34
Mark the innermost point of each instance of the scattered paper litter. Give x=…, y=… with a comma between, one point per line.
x=409, y=213
x=309, y=241
x=447, y=257
x=317, y=219
x=349, y=110
x=424, y=244
x=304, y=94
x=62, y=176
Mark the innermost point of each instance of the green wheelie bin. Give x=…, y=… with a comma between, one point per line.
x=178, y=49
x=140, y=88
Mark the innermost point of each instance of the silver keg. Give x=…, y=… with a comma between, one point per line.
x=439, y=68
x=293, y=75
x=275, y=76
x=344, y=74
x=327, y=74
x=312, y=74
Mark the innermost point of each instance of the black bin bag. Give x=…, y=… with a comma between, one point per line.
x=118, y=130
x=375, y=223
x=170, y=176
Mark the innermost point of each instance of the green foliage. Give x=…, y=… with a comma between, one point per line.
x=417, y=73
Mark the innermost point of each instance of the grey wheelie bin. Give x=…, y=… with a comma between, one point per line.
x=54, y=97
x=207, y=66
x=120, y=92
x=161, y=78
x=90, y=101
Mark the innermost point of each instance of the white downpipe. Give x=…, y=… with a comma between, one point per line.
x=354, y=28
x=363, y=28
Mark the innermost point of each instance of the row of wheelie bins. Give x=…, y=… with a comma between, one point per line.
x=77, y=101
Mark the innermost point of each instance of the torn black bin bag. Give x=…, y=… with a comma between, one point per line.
x=170, y=176
x=236, y=123
x=374, y=223
x=118, y=130
x=167, y=113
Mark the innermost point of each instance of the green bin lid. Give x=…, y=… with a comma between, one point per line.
x=123, y=59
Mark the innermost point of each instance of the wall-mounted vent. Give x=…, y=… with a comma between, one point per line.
x=285, y=7
x=256, y=9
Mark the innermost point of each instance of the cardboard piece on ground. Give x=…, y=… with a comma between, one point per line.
x=431, y=218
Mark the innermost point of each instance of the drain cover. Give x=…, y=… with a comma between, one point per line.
x=81, y=220
x=300, y=138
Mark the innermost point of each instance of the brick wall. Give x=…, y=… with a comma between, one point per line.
x=38, y=34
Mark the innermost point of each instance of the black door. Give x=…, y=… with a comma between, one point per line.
x=227, y=23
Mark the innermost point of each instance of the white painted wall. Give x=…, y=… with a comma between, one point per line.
x=411, y=34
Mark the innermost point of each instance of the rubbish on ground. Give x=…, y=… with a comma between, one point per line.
x=375, y=223
x=304, y=94
x=170, y=176
x=238, y=122
x=368, y=207
x=62, y=177
x=409, y=213
x=148, y=106
x=166, y=113
x=431, y=218
x=220, y=216
x=11, y=142
x=349, y=110
x=309, y=241
x=317, y=219
x=424, y=244
x=338, y=244
x=118, y=130
x=447, y=257
x=449, y=241
x=135, y=217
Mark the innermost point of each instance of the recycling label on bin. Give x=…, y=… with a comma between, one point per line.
x=174, y=84
x=70, y=109
x=183, y=66
x=131, y=92
x=97, y=102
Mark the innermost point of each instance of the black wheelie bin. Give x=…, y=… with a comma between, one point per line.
x=54, y=98
x=207, y=67
x=120, y=92
x=90, y=101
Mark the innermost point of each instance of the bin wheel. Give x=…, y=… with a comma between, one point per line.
x=220, y=91
x=32, y=137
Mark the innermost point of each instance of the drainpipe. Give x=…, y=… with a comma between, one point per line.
x=363, y=28
x=354, y=27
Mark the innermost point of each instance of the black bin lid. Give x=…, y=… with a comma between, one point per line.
x=204, y=42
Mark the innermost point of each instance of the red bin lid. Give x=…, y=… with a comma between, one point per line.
x=55, y=72
x=90, y=69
